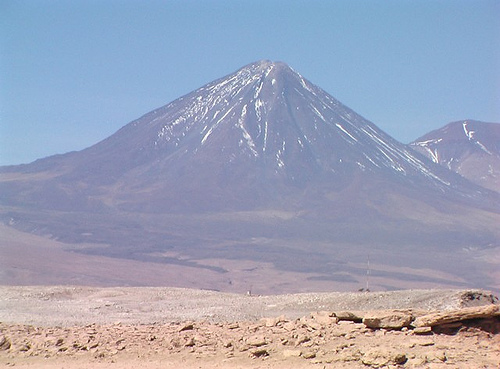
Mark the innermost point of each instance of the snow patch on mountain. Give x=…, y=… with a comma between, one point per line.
x=470, y=148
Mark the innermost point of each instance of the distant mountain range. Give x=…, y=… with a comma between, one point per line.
x=262, y=165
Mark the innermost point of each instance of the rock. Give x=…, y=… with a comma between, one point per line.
x=4, y=343
x=186, y=327
x=437, y=357
x=449, y=326
x=256, y=341
x=354, y=316
x=309, y=355
x=416, y=362
x=422, y=330
x=445, y=317
x=324, y=318
x=259, y=352
x=477, y=298
x=390, y=319
x=484, y=343
x=25, y=347
x=244, y=348
x=175, y=343
x=302, y=339
x=379, y=357
x=289, y=326
x=312, y=325
x=348, y=355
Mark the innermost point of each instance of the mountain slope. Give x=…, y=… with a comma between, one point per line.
x=261, y=135
x=261, y=168
x=470, y=148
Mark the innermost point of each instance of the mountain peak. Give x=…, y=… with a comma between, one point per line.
x=269, y=70
x=473, y=134
x=260, y=131
x=468, y=147
x=266, y=65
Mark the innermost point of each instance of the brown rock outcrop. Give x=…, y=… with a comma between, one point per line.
x=446, y=317
x=388, y=319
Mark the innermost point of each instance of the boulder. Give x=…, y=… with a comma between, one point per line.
x=388, y=319
x=354, y=316
x=445, y=317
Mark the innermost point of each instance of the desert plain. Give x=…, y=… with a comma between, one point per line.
x=156, y=327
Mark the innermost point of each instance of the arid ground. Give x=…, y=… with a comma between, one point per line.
x=84, y=327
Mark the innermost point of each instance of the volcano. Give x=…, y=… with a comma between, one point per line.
x=268, y=163
x=263, y=135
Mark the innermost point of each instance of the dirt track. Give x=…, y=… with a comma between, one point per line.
x=79, y=327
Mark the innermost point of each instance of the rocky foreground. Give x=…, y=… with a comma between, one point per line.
x=463, y=333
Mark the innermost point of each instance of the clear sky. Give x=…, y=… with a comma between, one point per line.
x=72, y=72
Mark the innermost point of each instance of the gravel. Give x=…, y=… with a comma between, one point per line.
x=68, y=306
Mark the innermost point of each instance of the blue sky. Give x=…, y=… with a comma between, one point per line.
x=72, y=72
